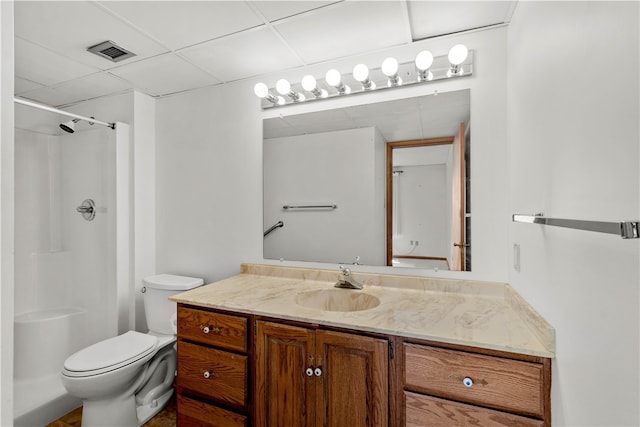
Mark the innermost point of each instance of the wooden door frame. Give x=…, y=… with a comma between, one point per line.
x=390, y=147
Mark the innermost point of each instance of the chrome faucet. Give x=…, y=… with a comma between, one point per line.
x=346, y=280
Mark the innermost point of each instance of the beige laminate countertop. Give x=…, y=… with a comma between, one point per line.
x=479, y=314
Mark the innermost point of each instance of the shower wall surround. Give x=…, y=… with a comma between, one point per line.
x=65, y=266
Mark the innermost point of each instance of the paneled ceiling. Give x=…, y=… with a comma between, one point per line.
x=183, y=45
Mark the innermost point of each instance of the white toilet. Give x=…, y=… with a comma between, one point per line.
x=126, y=380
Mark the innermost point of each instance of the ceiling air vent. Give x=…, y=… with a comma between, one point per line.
x=111, y=51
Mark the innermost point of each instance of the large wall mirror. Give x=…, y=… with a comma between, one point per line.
x=383, y=184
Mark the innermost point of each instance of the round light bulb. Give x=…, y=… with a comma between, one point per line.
x=281, y=100
x=308, y=83
x=424, y=60
x=283, y=86
x=333, y=77
x=390, y=67
x=360, y=72
x=458, y=54
x=261, y=90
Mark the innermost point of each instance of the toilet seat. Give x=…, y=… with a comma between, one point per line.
x=110, y=354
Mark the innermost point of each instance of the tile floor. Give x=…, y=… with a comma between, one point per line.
x=166, y=418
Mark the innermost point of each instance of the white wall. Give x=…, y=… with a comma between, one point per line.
x=6, y=212
x=209, y=163
x=323, y=169
x=208, y=182
x=423, y=199
x=144, y=200
x=573, y=86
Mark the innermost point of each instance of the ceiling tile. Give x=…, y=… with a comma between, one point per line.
x=164, y=74
x=89, y=87
x=243, y=55
x=346, y=29
x=69, y=27
x=40, y=65
x=275, y=10
x=178, y=24
x=432, y=18
x=22, y=85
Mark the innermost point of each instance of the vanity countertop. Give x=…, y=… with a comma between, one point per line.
x=479, y=314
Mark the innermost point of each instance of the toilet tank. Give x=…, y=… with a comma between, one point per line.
x=159, y=311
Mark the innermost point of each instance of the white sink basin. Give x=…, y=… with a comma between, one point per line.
x=337, y=300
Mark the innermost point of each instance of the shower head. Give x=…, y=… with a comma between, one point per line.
x=69, y=126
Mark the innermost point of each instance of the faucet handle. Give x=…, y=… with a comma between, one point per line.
x=344, y=270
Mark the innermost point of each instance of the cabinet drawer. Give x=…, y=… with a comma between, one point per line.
x=220, y=330
x=195, y=413
x=430, y=411
x=216, y=374
x=499, y=383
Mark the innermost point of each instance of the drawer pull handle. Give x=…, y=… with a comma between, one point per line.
x=468, y=382
x=309, y=372
x=206, y=374
x=207, y=329
x=318, y=372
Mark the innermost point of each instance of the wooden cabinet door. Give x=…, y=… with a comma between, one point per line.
x=354, y=387
x=283, y=389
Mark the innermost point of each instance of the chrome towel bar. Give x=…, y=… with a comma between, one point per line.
x=624, y=229
x=287, y=207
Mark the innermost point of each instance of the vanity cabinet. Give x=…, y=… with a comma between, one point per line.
x=246, y=370
x=316, y=377
x=451, y=387
x=213, y=369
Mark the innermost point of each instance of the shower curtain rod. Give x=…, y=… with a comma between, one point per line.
x=64, y=113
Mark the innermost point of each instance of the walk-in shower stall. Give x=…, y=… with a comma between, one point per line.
x=71, y=288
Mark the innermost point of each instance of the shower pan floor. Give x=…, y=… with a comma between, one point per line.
x=29, y=409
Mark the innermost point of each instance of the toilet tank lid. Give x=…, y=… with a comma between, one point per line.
x=172, y=282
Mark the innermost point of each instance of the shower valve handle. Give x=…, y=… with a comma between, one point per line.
x=87, y=209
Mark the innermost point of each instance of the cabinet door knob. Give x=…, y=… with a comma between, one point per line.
x=309, y=372
x=206, y=374
x=318, y=372
x=468, y=382
x=207, y=329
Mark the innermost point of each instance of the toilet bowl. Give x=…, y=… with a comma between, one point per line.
x=127, y=379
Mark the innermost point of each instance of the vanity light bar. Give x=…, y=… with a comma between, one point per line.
x=426, y=68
